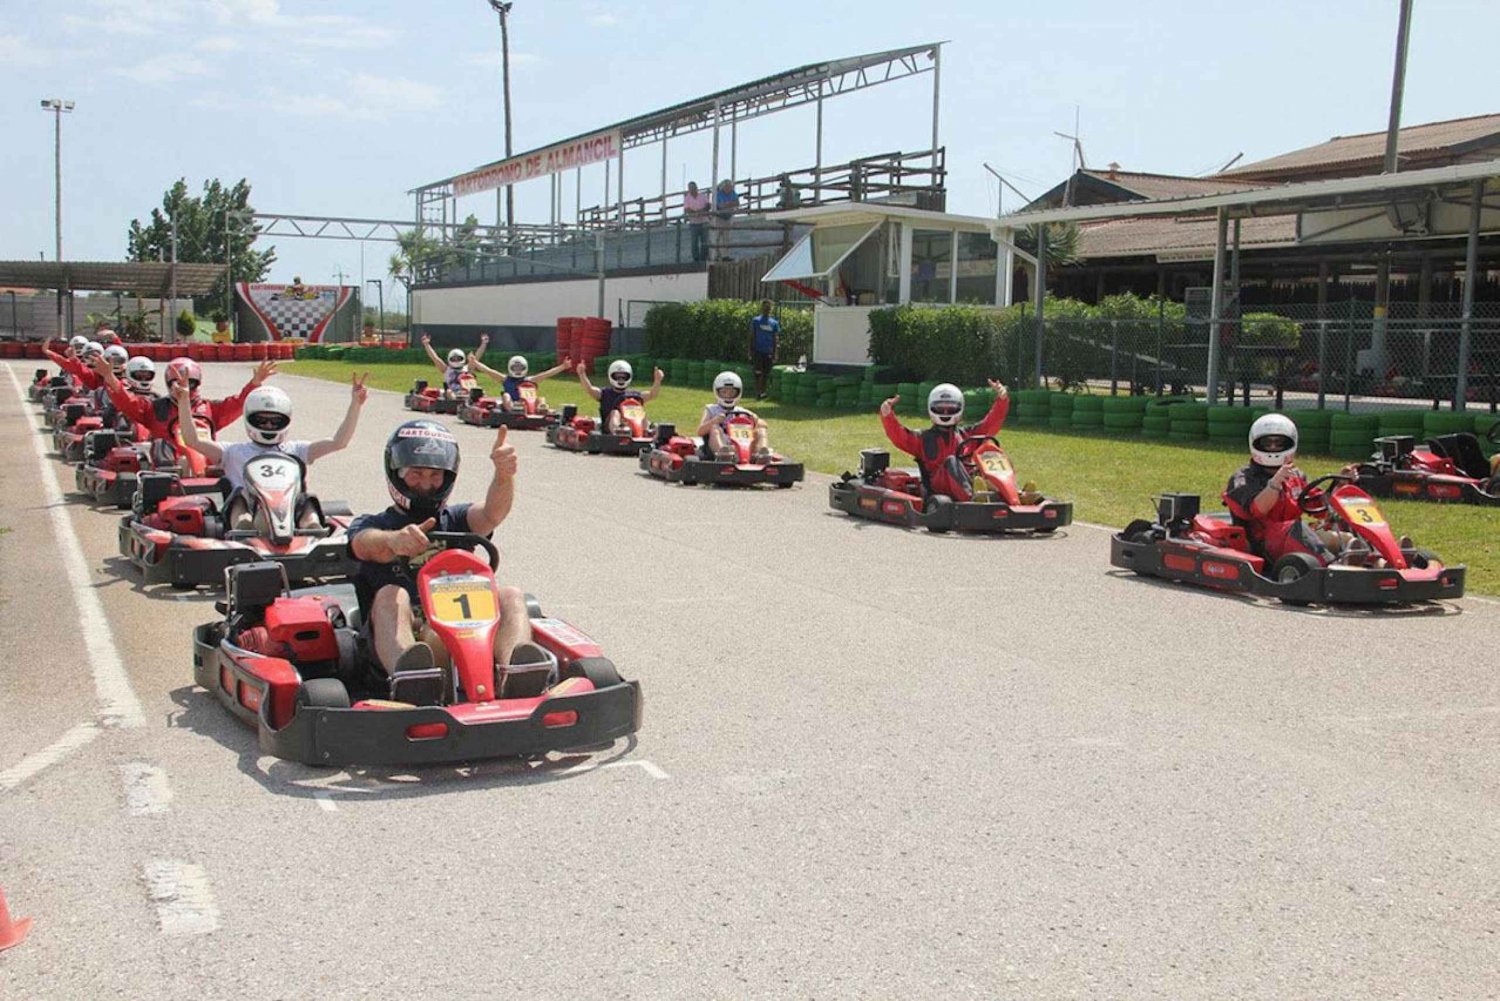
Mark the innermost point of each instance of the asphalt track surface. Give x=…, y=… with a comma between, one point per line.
x=874, y=763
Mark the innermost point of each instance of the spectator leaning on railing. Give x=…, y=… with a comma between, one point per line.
x=726, y=204
x=695, y=206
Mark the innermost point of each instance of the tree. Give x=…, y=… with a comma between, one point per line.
x=202, y=235
x=420, y=257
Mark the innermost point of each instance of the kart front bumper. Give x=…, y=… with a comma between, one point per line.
x=189, y=561
x=595, y=442
x=693, y=470
x=866, y=500
x=427, y=405
x=106, y=486
x=516, y=420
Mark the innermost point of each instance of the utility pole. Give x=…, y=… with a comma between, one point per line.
x=502, y=8
x=380, y=289
x=1376, y=359
x=58, y=106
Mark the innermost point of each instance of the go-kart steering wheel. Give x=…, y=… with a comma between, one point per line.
x=967, y=447
x=1313, y=499
x=456, y=540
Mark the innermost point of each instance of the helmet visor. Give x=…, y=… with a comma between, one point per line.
x=728, y=394
x=945, y=408
x=1273, y=443
x=268, y=420
x=620, y=379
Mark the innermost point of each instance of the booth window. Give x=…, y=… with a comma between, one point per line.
x=820, y=252
x=977, y=262
x=931, y=261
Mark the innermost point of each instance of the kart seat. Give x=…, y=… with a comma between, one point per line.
x=1463, y=448
x=1219, y=531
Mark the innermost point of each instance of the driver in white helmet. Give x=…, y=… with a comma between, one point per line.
x=77, y=360
x=268, y=417
x=617, y=390
x=516, y=372
x=1262, y=496
x=713, y=427
x=455, y=370
x=936, y=447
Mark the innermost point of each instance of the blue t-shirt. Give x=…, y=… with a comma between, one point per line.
x=766, y=329
x=452, y=378
x=511, y=387
x=372, y=576
x=610, y=399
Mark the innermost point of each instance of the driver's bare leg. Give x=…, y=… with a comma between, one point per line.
x=718, y=445
x=515, y=624
x=760, y=449
x=506, y=401
x=237, y=515
x=391, y=629
x=612, y=422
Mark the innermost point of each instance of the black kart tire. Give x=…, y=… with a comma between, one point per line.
x=1422, y=558
x=1138, y=531
x=939, y=509
x=1292, y=567
x=323, y=693
x=600, y=672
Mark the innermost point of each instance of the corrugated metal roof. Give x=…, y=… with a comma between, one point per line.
x=1171, y=186
x=1415, y=141
x=1149, y=237
x=149, y=278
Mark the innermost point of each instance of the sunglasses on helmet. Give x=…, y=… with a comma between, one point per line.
x=267, y=421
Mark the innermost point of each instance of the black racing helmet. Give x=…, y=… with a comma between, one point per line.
x=427, y=445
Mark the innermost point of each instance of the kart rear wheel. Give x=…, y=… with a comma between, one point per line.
x=322, y=693
x=1293, y=567
x=1422, y=558
x=939, y=511
x=1138, y=531
x=600, y=671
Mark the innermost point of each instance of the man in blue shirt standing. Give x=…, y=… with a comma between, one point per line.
x=765, y=332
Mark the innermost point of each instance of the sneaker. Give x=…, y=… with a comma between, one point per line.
x=415, y=680
x=532, y=670
x=763, y=457
x=725, y=455
x=1405, y=542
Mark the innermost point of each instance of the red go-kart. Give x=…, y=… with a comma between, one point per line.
x=183, y=540
x=1210, y=549
x=45, y=385
x=112, y=467
x=292, y=665
x=998, y=504
x=425, y=399
x=526, y=413
x=578, y=433
x=678, y=459
x=1451, y=467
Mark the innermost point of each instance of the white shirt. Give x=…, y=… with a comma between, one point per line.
x=719, y=414
x=237, y=453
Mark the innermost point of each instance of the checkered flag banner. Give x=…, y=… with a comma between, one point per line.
x=295, y=310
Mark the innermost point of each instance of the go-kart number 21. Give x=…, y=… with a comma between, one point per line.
x=469, y=604
x=1364, y=514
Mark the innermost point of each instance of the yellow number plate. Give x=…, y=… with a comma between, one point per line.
x=995, y=461
x=1364, y=514
x=528, y=392
x=741, y=432
x=462, y=600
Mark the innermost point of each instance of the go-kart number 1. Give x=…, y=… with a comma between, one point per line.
x=1364, y=514
x=470, y=600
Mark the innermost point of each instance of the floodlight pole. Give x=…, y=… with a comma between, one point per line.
x=937, y=75
x=58, y=106
x=380, y=289
x=502, y=8
x=1390, y=166
x=1216, y=306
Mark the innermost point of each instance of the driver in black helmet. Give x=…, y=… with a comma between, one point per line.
x=421, y=465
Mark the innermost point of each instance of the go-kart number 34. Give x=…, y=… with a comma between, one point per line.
x=468, y=599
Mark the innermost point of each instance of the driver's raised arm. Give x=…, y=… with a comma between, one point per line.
x=502, y=491
x=188, y=428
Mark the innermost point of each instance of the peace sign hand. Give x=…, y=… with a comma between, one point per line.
x=357, y=390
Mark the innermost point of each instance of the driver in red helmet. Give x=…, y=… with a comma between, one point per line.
x=421, y=466
x=159, y=416
x=1263, y=496
x=936, y=448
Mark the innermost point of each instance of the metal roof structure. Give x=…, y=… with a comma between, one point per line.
x=778, y=92
x=1417, y=146
x=148, y=278
x=841, y=213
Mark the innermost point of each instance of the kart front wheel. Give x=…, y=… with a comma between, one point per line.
x=1293, y=567
x=323, y=693
x=600, y=671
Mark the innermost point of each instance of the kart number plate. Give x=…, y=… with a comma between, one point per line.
x=741, y=431
x=994, y=461
x=1360, y=513
x=462, y=600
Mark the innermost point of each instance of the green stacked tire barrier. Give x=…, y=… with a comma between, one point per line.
x=1124, y=414
x=1088, y=412
x=1060, y=411
x=1187, y=421
x=1437, y=422
x=1312, y=429
x=1397, y=422
x=1351, y=436
x=1031, y=406
x=1229, y=425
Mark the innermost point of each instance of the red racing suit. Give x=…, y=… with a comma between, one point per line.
x=1280, y=530
x=158, y=416
x=77, y=369
x=936, y=449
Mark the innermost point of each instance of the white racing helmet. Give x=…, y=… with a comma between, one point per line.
x=620, y=373
x=140, y=373
x=517, y=366
x=268, y=414
x=728, y=388
x=92, y=350
x=945, y=405
x=78, y=342
x=456, y=357
x=1273, y=440
x=117, y=357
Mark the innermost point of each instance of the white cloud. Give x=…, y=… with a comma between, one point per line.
x=163, y=69
x=131, y=17
x=217, y=43
x=518, y=60
x=17, y=52
x=367, y=98
x=603, y=20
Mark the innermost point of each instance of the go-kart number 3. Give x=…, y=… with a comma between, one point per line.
x=1364, y=514
x=465, y=602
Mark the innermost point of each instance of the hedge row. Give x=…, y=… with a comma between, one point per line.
x=719, y=328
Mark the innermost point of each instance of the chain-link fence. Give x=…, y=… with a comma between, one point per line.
x=1347, y=358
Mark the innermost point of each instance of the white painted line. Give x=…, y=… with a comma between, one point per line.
x=184, y=901
x=583, y=766
x=146, y=790
x=326, y=801
x=645, y=766
x=30, y=765
x=118, y=705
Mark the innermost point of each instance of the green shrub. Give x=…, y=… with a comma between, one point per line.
x=719, y=329
x=186, y=324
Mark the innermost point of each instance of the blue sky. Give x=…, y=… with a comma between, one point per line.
x=334, y=107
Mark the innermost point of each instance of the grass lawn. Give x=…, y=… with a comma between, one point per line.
x=1110, y=480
